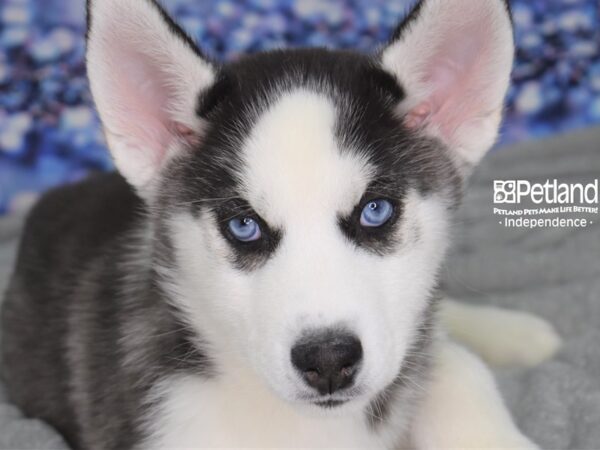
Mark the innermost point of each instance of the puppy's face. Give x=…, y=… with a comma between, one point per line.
x=303, y=196
x=315, y=260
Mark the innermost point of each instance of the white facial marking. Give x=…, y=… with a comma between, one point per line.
x=295, y=167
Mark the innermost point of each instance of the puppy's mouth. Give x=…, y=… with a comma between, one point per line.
x=333, y=401
x=330, y=404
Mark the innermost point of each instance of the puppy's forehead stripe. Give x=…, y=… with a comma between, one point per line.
x=294, y=160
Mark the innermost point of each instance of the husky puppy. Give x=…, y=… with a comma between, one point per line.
x=262, y=272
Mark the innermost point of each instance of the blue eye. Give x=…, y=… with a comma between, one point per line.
x=245, y=229
x=376, y=213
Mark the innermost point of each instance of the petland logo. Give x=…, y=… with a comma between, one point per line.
x=546, y=205
x=551, y=192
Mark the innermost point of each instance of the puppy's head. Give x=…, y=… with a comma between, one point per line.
x=300, y=198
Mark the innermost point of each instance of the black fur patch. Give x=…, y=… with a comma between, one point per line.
x=85, y=335
x=209, y=100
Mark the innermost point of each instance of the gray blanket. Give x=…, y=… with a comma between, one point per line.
x=552, y=272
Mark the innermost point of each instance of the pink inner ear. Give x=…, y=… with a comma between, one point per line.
x=139, y=98
x=417, y=116
x=185, y=133
x=454, y=78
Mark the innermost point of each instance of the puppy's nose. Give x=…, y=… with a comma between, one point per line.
x=327, y=359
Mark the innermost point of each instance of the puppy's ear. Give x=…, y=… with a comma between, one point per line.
x=146, y=76
x=453, y=58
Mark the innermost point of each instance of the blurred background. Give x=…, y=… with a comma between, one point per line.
x=49, y=132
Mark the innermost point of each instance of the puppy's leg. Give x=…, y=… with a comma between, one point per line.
x=463, y=408
x=501, y=337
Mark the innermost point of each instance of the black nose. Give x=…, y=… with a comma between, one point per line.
x=328, y=360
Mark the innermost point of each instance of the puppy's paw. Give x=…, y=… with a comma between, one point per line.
x=520, y=339
x=463, y=408
x=502, y=337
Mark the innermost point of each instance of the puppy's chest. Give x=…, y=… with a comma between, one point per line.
x=196, y=413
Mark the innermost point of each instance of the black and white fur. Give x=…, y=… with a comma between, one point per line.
x=134, y=320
